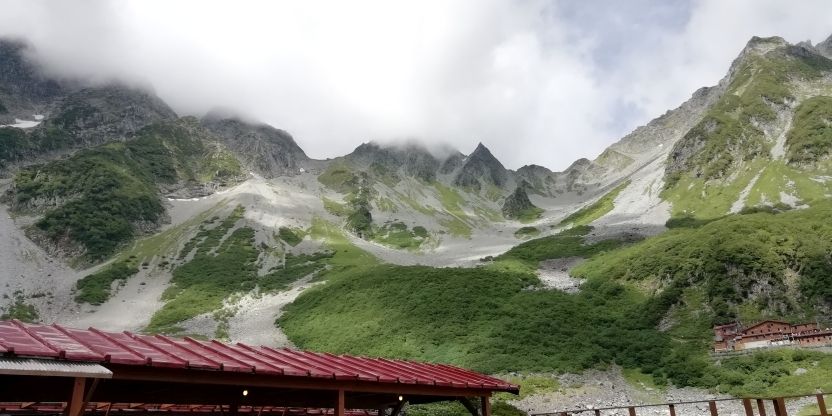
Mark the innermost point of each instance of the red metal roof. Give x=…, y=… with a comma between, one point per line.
x=92, y=345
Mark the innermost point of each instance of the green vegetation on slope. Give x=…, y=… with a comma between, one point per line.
x=452, y=201
x=728, y=128
x=223, y=264
x=483, y=318
x=291, y=236
x=340, y=178
x=597, y=209
x=568, y=243
x=14, y=145
x=20, y=310
x=397, y=235
x=723, y=153
x=781, y=263
x=497, y=318
x=95, y=288
x=106, y=194
x=527, y=232
x=810, y=138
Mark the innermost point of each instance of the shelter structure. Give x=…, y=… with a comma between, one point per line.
x=769, y=333
x=53, y=369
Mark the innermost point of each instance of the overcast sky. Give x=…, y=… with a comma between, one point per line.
x=542, y=82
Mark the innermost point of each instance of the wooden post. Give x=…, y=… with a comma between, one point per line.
x=822, y=405
x=672, y=408
x=749, y=410
x=631, y=410
x=761, y=406
x=75, y=405
x=597, y=412
x=339, y=406
x=397, y=408
x=712, y=408
x=780, y=407
x=486, y=406
x=469, y=406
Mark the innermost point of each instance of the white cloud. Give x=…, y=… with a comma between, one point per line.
x=537, y=81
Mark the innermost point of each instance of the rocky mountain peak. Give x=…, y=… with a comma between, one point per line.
x=518, y=205
x=262, y=148
x=481, y=167
x=411, y=159
x=825, y=48
x=23, y=88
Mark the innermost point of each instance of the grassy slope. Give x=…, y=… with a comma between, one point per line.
x=488, y=319
x=106, y=191
x=733, y=150
x=597, y=209
x=224, y=264
x=481, y=318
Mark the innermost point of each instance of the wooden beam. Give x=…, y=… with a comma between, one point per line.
x=672, y=409
x=469, y=406
x=340, y=404
x=158, y=374
x=631, y=411
x=75, y=404
x=712, y=408
x=485, y=408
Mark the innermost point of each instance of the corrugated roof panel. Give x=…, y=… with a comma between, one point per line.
x=164, y=344
x=62, y=343
x=111, y=351
x=157, y=357
x=17, y=340
x=258, y=365
x=314, y=370
x=404, y=377
x=337, y=362
x=288, y=368
x=383, y=375
x=194, y=347
x=40, y=367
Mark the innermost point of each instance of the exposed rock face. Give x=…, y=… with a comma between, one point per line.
x=95, y=115
x=262, y=148
x=22, y=87
x=746, y=134
x=452, y=163
x=412, y=159
x=518, y=202
x=481, y=167
x=825, y=48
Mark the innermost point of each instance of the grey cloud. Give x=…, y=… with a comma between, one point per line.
x=542, y=82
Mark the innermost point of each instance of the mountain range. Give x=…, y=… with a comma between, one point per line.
x=120, y=213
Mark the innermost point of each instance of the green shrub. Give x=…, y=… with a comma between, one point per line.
x=20, y=310
x=810, y=137
x=95, y=288
x=112, y=189
x=527, y=232
x=291, y=236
